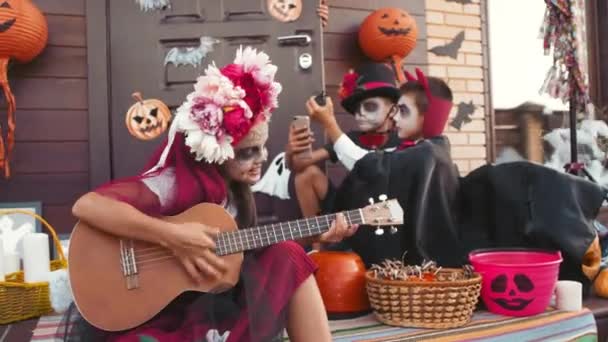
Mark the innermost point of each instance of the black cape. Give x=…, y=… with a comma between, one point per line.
x=518, y=204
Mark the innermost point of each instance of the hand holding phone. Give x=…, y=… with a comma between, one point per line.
x=300, y=140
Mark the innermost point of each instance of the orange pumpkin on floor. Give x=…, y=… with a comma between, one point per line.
x=341, y=280
x=388, y=33
x=147, y=119
x=23, y=35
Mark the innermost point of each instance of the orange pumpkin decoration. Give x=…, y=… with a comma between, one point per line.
x=341, y=281
x=147, y=119
x=23, y=35
x=388, y=33
x=600, y=285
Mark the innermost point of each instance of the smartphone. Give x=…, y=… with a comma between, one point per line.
x=301, y=122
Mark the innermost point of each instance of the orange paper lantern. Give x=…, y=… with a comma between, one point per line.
x=388, y=34
x=23, y=35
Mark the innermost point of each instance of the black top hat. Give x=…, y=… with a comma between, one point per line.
x=368, y=80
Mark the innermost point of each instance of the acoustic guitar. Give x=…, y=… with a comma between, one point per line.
x=120, y=283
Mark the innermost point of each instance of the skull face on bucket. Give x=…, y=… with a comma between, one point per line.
x=512, y=293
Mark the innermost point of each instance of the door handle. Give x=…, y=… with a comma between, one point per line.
x=297, y=39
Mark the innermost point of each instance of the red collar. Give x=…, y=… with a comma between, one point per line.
x=373, y=140
x=406, y=144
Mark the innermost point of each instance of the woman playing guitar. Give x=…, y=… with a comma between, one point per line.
x=214, y=152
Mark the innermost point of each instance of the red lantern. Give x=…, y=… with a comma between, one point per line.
x=388, y=34
x=23, y=35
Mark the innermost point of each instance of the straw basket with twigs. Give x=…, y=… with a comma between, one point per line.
x=446, y=302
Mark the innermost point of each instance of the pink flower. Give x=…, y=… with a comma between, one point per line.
x=236, y=124
x=207, y=115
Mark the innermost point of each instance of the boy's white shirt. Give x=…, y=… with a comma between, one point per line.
x=348, y=152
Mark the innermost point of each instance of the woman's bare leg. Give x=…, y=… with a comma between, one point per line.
x=307, y=319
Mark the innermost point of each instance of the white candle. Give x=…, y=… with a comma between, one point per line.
x=36, y=259
x=12, y=263
x=1, y=260
x=569, y=295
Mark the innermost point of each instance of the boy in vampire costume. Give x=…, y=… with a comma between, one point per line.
x=518, y=204
x=370, y=94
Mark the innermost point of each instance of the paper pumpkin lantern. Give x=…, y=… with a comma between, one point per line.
x=388, y=34
x=147, y=119
x=23, y=35
x=284, y=10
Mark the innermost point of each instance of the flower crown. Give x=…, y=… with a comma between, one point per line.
x=225, y=104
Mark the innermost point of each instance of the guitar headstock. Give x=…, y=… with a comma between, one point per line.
x=385, y=213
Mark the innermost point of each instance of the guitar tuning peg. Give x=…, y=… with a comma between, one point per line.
x=383, y=198
x=371, y=200
x=379, y=231
x=393, y=230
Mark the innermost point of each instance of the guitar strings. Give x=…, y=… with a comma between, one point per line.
x=151, y=255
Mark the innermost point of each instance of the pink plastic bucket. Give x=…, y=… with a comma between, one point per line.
x=517, y=282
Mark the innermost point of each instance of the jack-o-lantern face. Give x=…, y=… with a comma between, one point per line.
x=147, y=119
x=23, y=30
x=512, y=294
x=284, y=10
x=9, y=22
x=387, y=33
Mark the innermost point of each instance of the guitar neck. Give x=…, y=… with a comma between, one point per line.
x=262, y=236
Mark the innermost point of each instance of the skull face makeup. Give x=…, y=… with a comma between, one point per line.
x=408, y=120
x=372, y=113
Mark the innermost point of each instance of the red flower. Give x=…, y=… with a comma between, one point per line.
x=236, y=124
x=253, y=91
x=348, y=85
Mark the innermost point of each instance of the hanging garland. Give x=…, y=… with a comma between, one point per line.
x=559, y=31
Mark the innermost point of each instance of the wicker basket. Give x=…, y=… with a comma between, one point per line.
x=438, y=305
x=20, y=300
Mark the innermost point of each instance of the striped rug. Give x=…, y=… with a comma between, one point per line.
x=549, y=326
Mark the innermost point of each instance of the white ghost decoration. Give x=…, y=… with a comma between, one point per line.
x=214, y=336
x=275, y=181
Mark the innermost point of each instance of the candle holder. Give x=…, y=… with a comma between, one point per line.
x=20, y=300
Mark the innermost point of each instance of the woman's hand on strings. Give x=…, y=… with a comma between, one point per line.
x=193, y=244
x=338, y=231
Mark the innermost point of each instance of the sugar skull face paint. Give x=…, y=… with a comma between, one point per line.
x=246, y=166
x=372, y=113
x=408, y=120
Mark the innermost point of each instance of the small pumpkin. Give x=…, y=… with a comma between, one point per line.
x=147, y=119
x=284, y=10
x=23, y=35
x=388, y=33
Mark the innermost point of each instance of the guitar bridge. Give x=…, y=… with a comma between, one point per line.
x=129, y=264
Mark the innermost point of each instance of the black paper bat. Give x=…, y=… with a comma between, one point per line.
x=464, y=2
x=451, y=48
x=463, y=115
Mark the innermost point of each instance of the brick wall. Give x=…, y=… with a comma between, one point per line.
x=465, y=74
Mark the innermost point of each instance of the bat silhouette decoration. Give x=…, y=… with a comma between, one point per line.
x=463, y=114
x=191, y=55
x=152, y=5
x=464, y=2
x=451, y=48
